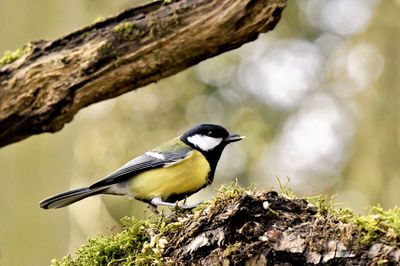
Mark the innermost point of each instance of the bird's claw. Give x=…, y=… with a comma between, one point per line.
x=153, y=209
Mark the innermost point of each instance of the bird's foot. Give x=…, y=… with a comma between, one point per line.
x=188, y=206
x=175, y=206
x=153, y=208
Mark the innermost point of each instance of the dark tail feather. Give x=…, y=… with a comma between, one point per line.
x=69, y=197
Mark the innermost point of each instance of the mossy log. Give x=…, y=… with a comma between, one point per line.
x=248, y=227
x=45, y=84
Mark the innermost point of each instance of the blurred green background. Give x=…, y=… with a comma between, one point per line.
x=318, y=99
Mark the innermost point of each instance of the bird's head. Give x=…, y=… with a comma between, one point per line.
x=209, y=138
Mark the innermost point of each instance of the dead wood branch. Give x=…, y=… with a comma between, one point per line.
x=45, y=88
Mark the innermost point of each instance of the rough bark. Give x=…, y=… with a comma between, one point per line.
x=251, y=227
x=268, y=229
x=45, y=88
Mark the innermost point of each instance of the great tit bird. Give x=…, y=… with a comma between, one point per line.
x=163, y=175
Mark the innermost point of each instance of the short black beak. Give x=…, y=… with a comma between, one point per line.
x=233, y=138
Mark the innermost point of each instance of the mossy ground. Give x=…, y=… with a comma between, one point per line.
x=378, y=224
x=143, y=242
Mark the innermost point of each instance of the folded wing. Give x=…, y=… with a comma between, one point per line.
x=149, y=160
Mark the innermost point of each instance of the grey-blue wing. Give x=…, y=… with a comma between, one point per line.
x=147, y=161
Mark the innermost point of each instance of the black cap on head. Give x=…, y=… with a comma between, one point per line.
x=210, y=130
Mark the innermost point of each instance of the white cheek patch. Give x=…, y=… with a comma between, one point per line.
x=156, y=155
x=204, y=143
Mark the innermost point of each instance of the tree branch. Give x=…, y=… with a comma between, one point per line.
x=46, y=87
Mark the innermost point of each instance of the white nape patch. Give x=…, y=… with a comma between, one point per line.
x=205, y=143
x=155, y=154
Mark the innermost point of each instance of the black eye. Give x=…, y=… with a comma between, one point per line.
x=209, y=133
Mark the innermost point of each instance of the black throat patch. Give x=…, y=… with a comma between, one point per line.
x=212, y=157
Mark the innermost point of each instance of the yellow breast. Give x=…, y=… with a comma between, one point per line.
x=184, y=177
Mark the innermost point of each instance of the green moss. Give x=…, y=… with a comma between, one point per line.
x=378, y=225
x=10, y=57
x=142, y=242
x=105, y=48
x=382, y=262
x=285, y=190
x=230, y=249
x=128, y=31
x=124, y=29
x=227, y=194
x=99, y=19
x=137, y=244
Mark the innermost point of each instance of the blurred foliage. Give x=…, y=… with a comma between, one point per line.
x=317, y=98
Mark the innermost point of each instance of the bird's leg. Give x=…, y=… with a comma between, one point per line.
x=190, y=206
x=159, y=201
x=153, y=208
